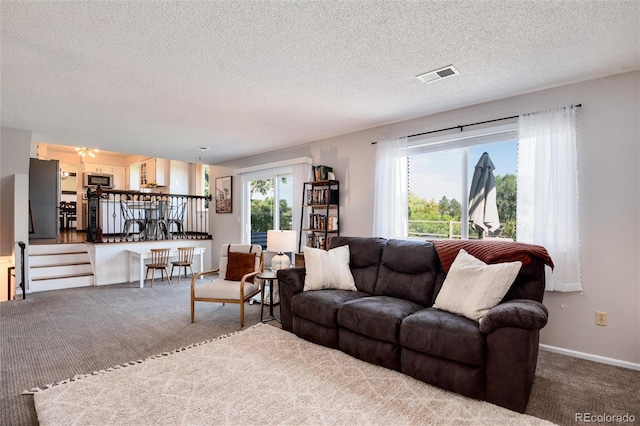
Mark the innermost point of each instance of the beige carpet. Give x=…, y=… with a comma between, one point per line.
x=262, y=375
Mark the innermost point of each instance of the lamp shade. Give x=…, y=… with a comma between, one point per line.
x=281, y=241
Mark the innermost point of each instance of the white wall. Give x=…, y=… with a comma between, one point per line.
x=21, y=225
x=14, y=185
x=14, y=148
x=179, y=173
x=104, y=256
x=609, y=154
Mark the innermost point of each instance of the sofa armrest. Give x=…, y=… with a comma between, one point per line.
x=291, y=282
x=520, y=313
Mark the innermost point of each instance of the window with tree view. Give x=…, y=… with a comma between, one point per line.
x=441, y=178
x=271, y=201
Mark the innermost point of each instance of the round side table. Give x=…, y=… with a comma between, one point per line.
x=269, y=278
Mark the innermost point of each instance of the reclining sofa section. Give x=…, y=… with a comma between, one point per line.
x=390, y=321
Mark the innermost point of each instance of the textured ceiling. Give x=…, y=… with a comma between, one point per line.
x=245, y=77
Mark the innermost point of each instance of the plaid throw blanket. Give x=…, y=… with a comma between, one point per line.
x=490, y=251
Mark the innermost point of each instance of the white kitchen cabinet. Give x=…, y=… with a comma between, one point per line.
x=132, y=177
x=96, y=168
x=118, y=173
x=154, y=170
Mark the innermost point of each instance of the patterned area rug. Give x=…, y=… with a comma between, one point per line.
x=262, y=375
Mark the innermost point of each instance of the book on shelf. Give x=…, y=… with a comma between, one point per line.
x=321, y=222
x=316, y=241
x=321, y=196
x=321, y=172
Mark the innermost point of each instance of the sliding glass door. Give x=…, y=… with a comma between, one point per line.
x=268, y=204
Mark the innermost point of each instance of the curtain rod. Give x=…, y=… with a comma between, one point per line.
x=461, y=127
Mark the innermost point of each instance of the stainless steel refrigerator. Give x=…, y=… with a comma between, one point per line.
x=44, y=198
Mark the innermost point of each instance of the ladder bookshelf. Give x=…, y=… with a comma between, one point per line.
x=320, y=213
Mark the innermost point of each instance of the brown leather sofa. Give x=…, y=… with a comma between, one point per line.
x=390, y=320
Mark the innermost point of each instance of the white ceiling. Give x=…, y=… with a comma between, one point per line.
x=246, y=77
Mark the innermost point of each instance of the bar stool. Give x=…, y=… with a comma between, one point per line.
x=159, y=260
x=185, y=259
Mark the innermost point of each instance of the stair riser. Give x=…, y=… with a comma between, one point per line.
x=56, y=248
x=60, y=283
x=57, y=259
x=55, y=271
x=59, y=266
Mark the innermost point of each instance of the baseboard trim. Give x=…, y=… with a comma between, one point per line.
x=591, y=357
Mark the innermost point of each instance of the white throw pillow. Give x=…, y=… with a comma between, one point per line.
x=472, y=287
x=328, y=269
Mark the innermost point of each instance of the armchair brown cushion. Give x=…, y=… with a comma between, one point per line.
x=240, y=264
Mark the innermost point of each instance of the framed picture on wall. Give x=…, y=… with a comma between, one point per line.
x=224, y=202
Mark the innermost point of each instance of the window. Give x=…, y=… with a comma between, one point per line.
x=270, y=206
x=547, y=208
x=272, y=197
x=440, y=179
x=201, y=183
x=205, y=185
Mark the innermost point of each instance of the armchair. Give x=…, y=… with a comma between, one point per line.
x=239, y=264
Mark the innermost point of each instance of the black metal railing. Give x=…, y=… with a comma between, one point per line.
x=118, y=216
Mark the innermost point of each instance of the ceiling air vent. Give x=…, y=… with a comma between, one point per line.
x=439, y=74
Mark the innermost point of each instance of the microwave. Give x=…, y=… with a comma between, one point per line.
x=94, y=179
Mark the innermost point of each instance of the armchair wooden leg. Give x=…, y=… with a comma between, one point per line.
x=193, y=308
x=241, y=313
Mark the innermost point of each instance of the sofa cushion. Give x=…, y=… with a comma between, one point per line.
x=365, y=255
x=328, y=269
x=408, y=270
x=322, y=306
x=472, y=287
x=378, y=317
x=444, y=335
x=529, y=284
x=223, y=289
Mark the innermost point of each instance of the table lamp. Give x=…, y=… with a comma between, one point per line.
x=281, y=242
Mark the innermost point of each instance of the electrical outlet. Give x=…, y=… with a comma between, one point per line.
x=601, y=318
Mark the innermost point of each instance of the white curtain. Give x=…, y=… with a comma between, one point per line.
x=390, y=213
x=301, y=174
x=547, y=204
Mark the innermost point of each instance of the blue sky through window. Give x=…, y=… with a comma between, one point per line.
x=438, y=174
